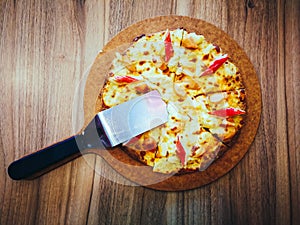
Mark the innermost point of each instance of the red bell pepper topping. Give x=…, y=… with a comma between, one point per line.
x=180, y=151
x=169, y=51
x=227, y=112
x=215, y=65
x=125, y=79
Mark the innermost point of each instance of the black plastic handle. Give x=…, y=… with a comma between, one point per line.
x=49, y=158
x=46, y=159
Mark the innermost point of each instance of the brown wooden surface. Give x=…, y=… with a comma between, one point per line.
x=45, y=48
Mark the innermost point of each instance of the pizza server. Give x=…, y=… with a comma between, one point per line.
x=108, y=129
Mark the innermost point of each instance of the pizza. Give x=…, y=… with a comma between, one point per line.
x=203, y=90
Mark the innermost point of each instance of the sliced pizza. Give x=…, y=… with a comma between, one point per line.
x=202, y=88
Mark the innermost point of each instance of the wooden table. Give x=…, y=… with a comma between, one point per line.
x=45, y=48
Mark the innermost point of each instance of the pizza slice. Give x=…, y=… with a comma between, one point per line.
x=204, y=151
x=119, y=89
x=144, y=146
x=146, y=48
x=193, y=48
x=166, y=158
x=222, y=113
x=204, y=68
x=160, y=47
x=225, y=78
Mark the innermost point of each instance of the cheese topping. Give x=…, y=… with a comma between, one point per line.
x=193, y=87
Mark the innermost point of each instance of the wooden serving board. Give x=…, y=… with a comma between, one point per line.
x=136, y=171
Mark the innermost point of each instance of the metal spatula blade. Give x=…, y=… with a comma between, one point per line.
x=127, y=120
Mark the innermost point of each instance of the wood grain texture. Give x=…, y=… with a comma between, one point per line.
x=292, y=90
x=45, y=48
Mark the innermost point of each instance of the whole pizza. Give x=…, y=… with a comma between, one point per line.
x=203, y=90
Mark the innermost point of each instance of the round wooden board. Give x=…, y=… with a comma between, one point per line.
x=136, y=171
